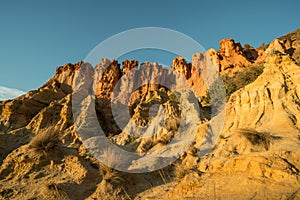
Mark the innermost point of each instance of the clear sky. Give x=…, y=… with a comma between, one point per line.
x=38, y=35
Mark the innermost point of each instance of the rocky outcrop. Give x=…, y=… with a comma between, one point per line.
x=19, y=112
x=29, y=114
x=142, y=109
x=260, y=138
x=215, y=58
x=270, y=99
x=276, y=45
x=128, y=65
x=229, y=48
x=181, y=66
x=107, y=76
x=200, y=73
x=125, y=89
x=234, y=57
x=257, y=154
x=291, y=44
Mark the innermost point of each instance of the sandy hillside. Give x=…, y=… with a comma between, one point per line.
x=47, y=148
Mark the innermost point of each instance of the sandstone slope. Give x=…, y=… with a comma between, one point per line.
x=256, y=157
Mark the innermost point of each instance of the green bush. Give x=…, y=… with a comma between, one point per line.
x=215, y=95
x=241, y=79
x=232, y=83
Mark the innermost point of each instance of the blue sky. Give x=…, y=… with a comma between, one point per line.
x=36, y=36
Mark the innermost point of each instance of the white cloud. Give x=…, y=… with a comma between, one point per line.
x=9, y=93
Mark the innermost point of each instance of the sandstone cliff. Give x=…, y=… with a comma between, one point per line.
x=257, y=153
x=232, y=57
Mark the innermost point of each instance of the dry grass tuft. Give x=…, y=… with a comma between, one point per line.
x=110, y=175
x=163, y=176
x=54, y=191
x=116, y=194
x=257, y=138
x=111, y=184
x=180, y=171
x=45, y=142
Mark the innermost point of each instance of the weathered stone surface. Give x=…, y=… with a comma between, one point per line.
x=257, y=154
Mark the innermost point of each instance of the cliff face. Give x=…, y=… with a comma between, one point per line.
x=28, y=114
x=258, y=149
x=291, y=43
x=20, y=112
x=270, y=102
x=232, y=57
x=260, y=138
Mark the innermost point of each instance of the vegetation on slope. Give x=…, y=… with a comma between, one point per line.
x=241, y=79
x=233, y=83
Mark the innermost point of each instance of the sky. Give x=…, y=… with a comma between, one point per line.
x=36, y=36
x=9, y=93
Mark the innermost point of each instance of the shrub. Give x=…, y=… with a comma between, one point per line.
x=215, y=94
x=257, y=138
x=231, y=84
x=54, y=191
x=180, y=171
x=111, y=181
x=173, y=96
x=110, y=175
x=241, y=79
x=45, y=142
x=247, y=46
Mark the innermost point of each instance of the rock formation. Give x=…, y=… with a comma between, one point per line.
x=277, y=89
x=257, y=153
x=291, y=43
x=260, y=139
x=232, y=57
